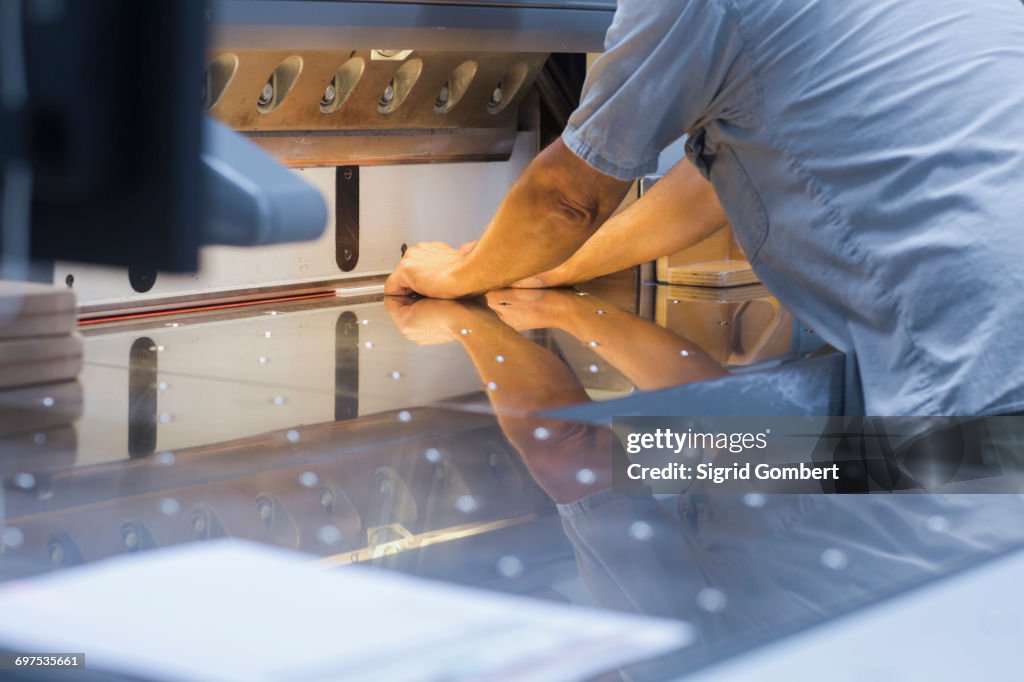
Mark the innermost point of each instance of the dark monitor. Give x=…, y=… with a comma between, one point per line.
x=100, y=117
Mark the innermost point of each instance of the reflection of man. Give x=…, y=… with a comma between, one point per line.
x=743, y=570
x=869, y=156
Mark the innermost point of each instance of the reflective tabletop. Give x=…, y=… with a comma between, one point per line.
x=429, y=437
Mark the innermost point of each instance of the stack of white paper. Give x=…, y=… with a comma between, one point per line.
x=231, y=610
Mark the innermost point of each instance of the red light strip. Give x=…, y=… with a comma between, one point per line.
x=181, y=311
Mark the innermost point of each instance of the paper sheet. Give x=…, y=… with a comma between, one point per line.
x=231, y=610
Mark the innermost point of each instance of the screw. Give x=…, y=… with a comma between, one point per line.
x=496, y=96
x=329, y=93
x=130, y=536
x=389, y=94
x=443, y=95
x=326, y=498
x=266, y=94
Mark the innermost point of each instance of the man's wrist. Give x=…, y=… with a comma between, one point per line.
x=460, y=282
x=564, y=275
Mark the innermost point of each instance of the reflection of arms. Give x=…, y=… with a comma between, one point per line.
x=679, y=211
x=527, y=379
x=550, y=211
x=648, y=355
x=533, y=379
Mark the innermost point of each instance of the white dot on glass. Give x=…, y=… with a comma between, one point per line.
x=433, y=455
x=600, y=312
x=364, y=322
x=11, y=537
x=48, y=401
x=263, y=359
x=465, y=331
x=510, y=566
x=39, y=439
x=404, y=416
x=165, y=458
x=581, y=293
x=466, y=504
x=500, y=358
x=279, y=400
x=711, y=600
x=267, y=335
x=641, y=530
x=329, y=535
x=169, y=506
x=292, y=436
x=308, y=479
x=593, y=344
x=160, y=349
x=540, y=433
x=834, y=558
x=586, y=476
x=25, y=481
x=162, y=386
x=685, y=353
x=593, y=369
x=396, y=375
x=368, y=344
x=675, y=301
x=754, y=500
x=937, y=524
x=165, y=418
x=491, y=386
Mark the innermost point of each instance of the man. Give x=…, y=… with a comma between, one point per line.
x=869, y=155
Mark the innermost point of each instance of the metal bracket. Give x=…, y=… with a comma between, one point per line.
x=346, y=217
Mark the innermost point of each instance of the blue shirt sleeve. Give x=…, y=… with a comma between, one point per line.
x=667, y=66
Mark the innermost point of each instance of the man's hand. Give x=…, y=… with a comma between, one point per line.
x=427, y=269
x=426, y=322
x=554, y=206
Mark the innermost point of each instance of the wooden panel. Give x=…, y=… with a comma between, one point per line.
x=717, y=261
x=26, y=362
x=723, y=273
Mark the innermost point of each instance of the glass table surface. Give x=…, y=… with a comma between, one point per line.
x=417, y=436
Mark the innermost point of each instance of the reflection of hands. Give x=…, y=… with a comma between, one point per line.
x=572, y=461
x=524, y=309
x=427, y=269
x=428, y=321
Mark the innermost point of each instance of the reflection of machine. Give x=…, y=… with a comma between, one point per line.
x=353, y=491
x=343, y=92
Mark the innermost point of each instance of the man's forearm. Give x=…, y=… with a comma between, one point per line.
x=678, y=212
x=548, y=214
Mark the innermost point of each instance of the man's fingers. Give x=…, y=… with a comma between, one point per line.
x=396, y=285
